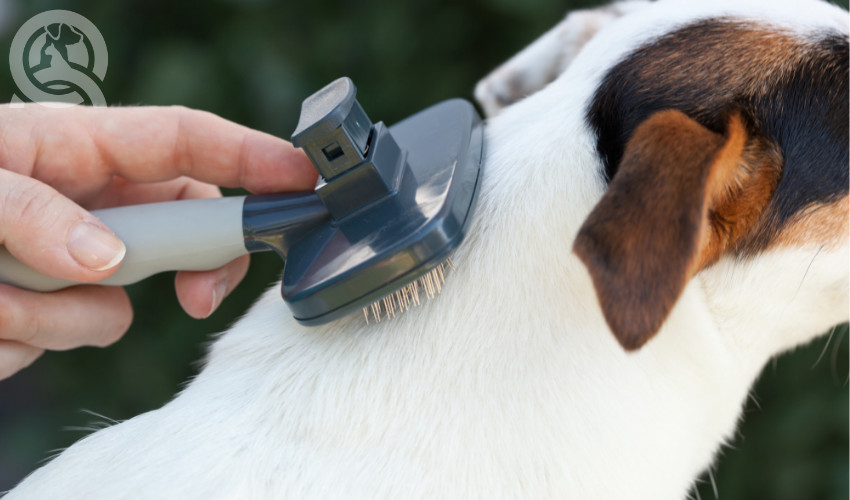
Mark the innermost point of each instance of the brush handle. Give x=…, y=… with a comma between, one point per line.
x=188, y=235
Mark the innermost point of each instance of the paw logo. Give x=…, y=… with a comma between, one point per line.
x=59, y=58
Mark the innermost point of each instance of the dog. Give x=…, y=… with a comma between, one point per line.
x=664, y=208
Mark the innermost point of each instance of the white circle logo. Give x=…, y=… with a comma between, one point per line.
x=59, y=58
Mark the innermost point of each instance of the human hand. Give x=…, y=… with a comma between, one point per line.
x=55, y=164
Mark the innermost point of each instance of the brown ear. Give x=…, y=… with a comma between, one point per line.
x=681, y=196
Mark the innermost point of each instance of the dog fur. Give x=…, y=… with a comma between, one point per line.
x=510, y=384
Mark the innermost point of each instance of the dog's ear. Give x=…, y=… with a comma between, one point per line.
x=680, y=197
x=550, y=55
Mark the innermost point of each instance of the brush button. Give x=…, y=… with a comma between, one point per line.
x=333, y=129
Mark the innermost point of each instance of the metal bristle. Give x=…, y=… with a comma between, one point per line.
x=431, y=283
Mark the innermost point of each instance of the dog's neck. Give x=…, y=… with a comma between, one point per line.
x=800, y=294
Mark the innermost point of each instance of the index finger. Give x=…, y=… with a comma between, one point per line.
x=150, y=144
x=154, y=144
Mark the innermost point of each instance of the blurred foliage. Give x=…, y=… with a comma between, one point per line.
x=253, y=61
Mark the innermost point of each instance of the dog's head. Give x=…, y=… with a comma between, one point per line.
x=721, y=133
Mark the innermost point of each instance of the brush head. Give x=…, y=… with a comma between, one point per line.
x=396, y=216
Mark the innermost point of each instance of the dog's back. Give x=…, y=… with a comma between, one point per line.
x=509, y=384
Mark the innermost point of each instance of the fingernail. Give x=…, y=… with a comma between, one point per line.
x=219, y=291
x=95, y=247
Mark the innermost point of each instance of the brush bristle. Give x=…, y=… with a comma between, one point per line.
x=430, y=284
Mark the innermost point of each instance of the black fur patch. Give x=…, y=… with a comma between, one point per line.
x=794, y=91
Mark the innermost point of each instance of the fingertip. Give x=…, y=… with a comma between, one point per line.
x=191, y=295
x=121, y=314
x=220, y=290
x=109, y=305
x=200, y=293
x=94, y=246
x=15, y=356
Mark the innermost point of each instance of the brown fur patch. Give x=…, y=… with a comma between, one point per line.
x=822, y=224
x=682, y=196
x=746, y=174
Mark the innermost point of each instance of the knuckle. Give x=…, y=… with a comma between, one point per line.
x=185, y=112
x=179, y=109
x=180, y=148
x=178, y=113
x=186, y=117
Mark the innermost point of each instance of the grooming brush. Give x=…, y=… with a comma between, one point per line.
x=376, y=234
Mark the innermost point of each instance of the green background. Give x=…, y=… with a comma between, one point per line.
x=253, y=61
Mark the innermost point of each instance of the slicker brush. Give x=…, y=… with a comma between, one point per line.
x=376, y=234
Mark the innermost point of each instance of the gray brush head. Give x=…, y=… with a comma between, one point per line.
x=400, y=199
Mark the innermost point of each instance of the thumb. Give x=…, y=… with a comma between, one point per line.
x=52, y=234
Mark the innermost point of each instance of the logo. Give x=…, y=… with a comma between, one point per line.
x=59, y=58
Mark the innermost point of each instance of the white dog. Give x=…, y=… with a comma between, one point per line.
x=681, y=182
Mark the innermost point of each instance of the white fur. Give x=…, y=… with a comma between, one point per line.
x=509, y=384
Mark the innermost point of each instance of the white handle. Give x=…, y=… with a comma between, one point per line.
x=188, y=235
